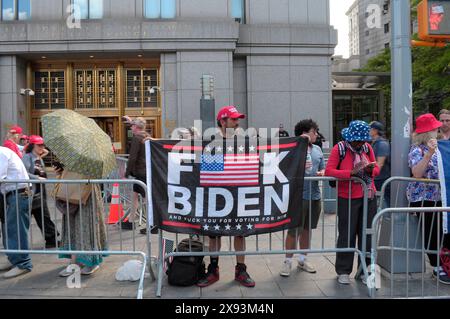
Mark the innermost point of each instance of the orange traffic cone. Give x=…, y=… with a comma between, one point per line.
x=115, y=209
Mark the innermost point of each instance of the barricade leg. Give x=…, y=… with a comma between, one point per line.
x=160, y=265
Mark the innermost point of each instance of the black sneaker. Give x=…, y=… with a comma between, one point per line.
x=211, y=277
x=127, y=226
x=242, y=276
x=443, y=276
x=153, y=230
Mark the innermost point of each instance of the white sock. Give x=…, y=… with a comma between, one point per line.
x=301, y=258
x=288, y=259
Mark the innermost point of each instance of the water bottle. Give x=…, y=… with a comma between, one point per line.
x=308, y=164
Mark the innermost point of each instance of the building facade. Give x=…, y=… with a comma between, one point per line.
x=370, y=28
x=109, y=58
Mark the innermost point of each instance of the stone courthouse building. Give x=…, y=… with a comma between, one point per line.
x=109, y=58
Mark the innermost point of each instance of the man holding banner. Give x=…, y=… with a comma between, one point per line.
x=228, y=121
x=233, y=185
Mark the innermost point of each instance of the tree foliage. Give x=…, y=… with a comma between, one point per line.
x=431, y=74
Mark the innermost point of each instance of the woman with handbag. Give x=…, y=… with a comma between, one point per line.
x=83, y=225
x=39, y=209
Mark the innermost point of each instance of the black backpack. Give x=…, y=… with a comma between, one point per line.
x=186, y=270
x=342, y=151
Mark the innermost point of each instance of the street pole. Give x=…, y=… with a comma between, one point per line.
x=401, y=112
x=401, y=125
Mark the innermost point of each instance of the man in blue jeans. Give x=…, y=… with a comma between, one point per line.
x=16, y=223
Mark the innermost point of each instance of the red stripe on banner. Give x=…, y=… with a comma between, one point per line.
x=182, y=148
x=279, y=146
x=229, y=184
x=237, y=174
x=287, y=221
x=213, y=179
x=183, y=225
x=245, y=165
x=256, y=156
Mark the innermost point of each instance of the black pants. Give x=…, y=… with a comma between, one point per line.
x=352, y=218
x=432, y=230
x=42, y=216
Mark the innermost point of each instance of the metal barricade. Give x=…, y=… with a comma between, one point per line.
x=82, y=223
x=321, y=241
x=408, y=285
x=402, y=238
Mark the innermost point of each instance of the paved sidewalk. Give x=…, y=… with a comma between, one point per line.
x=44, y=282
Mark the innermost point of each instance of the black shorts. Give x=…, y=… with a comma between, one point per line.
x=137, y=188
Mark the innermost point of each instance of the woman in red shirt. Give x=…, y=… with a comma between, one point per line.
x=353, y=158
x=13, y=139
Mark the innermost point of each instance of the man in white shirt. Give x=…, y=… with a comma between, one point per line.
x=16, y=223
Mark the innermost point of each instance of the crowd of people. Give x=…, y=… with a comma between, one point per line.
x=21, y=158
x=363, y=152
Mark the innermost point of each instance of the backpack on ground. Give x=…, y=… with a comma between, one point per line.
x=186, y=270
x=342, y=151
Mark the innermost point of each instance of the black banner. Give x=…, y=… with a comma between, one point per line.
x=228, y=187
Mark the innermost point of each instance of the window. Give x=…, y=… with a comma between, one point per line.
x=89, y=9
x=95, y=89
x=367, y=51
x=238, y=10
x=386, y=45
x=160, y=9
x=49, y=90
x=386, y=28
x=15, y=10
x=367, y=33
x=139, y=83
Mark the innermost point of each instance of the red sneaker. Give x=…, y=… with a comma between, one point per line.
x=211, y=277
x=243, y=277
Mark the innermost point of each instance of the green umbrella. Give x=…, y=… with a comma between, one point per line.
x=79, y=143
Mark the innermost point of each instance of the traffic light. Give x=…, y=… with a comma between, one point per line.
x=434, y=20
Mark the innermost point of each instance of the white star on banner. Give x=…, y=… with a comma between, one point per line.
x=208, y=149
x=230, y=148
x=219, y=149
x=217, y=227
x=241, y=148
x=205, y=227
x=238, y=227
x=252, y=148
x=249, y=226
x=227, y=227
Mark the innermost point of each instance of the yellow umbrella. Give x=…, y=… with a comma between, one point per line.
x=79, y=143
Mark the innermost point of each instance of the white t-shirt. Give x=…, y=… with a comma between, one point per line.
x=11, y=168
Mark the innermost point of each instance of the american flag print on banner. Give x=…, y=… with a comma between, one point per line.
x=230, y=169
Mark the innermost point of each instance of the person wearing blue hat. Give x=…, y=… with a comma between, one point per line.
x=353, y=157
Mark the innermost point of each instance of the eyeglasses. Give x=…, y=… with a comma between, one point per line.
x=445, y=121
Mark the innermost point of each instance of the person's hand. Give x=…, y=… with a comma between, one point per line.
x=306, y=136
x=42, y=178
x=321, y=173
x=126, y=118
x=369, y=168
x=148, y=138
x=432, y=146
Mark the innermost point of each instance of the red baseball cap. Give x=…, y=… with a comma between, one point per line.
x=15, y=130
x=427, y=123
x=229, y=112
x=24, y=137
x=36, y=139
